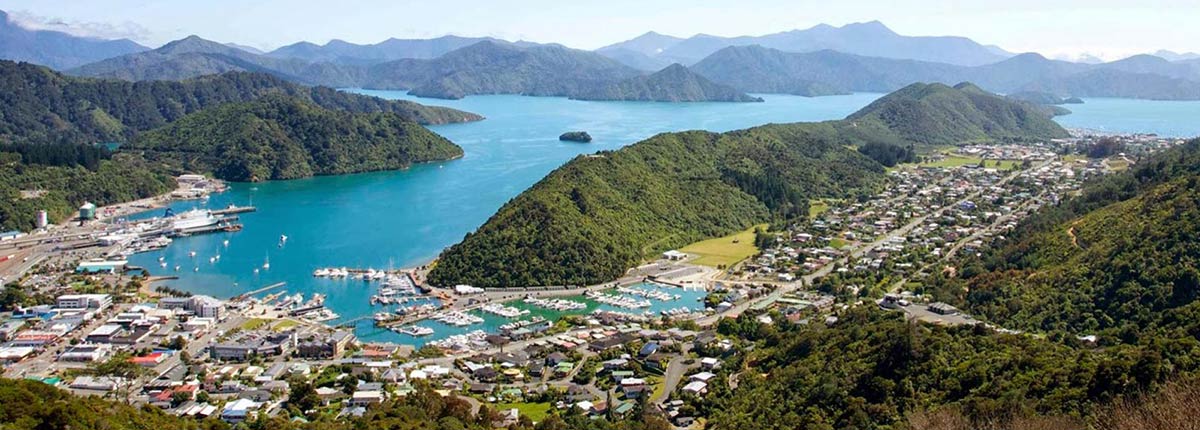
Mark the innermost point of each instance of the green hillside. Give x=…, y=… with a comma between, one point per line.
x=1119, y=261
x=59, y=188
x=600, y=214
x=875, y=370
x=498, y=68
x=675, y=83
x=42, y=106
x=596, y=216
x=280, y=137
x=936, y=114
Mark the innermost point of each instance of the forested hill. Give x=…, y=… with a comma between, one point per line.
x=461, y=67
x=675, y=83
x=596, y=216
x=40, y=106
x=498, y=68
x=1120, y=261
x=280, y=137
x=936, y=114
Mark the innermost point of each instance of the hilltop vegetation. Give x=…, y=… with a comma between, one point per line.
x=1119, y=261
x=473, y=66
x=874, y=370
x=759, y=69
x=675, y=83
x=285, y=138
x=596, y=216
x=939, y=115
x=41, y=106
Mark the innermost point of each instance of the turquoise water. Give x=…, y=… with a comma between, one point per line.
x=1165, y=118
x=691, y=298
x=405, y=218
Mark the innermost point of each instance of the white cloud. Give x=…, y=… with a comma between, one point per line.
x=100, y=30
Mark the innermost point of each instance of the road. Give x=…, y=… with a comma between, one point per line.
x=786, y=288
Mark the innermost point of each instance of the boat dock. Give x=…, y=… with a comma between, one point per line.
x=249, y=294
x=233, y=210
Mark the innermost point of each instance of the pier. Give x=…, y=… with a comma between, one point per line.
x=233, y=210
x=249, y=294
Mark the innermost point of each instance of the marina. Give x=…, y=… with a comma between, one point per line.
x=361, y=228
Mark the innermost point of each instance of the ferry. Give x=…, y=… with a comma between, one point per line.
x=193, y=219
x=321, y=315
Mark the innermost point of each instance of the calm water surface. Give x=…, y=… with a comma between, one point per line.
x=405, y=218
x=1165, y=118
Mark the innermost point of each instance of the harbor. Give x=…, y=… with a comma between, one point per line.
x=437, y=326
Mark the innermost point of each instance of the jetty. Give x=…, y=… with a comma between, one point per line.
x=233, y=210
x=249, y=294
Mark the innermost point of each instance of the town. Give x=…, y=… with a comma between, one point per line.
x=78, y=317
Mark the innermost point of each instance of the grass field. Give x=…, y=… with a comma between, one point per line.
x=724, y=251
x=254, y=323
x=817, y=207
x=956, y=160
x=284, y=325
x=837, y=243
x=535, y=411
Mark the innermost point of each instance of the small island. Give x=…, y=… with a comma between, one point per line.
x=576, y=136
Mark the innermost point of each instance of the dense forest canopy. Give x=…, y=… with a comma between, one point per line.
x=42, y=106
x=278, y=137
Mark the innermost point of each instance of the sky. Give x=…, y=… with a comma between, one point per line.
x=1109, y=29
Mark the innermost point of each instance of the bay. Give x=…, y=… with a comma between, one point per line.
x=1164, y=118
x=405, y=218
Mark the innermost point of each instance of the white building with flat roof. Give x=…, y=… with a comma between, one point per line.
x=84, y=301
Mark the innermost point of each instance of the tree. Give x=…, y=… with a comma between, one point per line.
x=124, y=371
x=178, y=397
x=178, y=343
x=302, y=397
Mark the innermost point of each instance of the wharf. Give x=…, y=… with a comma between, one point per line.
x=232, y=210
x=249, y=294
